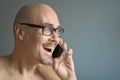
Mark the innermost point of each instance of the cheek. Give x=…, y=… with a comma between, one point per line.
x=32, y=42
x=36, y=41
x=37, y=46
x=40, y=39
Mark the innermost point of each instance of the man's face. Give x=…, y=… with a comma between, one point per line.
x=39, y=45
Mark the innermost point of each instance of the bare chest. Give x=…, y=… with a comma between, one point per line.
x=16, y=76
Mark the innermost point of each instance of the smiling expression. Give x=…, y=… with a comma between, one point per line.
x=34, y=42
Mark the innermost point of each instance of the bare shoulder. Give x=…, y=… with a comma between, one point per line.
x=4, y=61
x=3, y=58
x=4, y=64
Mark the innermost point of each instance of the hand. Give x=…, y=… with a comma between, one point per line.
x=64, y=66
x=46, y=72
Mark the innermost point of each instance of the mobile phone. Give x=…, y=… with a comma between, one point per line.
x=58, y=51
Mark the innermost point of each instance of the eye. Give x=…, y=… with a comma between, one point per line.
x=60, y=30
x=47, y=30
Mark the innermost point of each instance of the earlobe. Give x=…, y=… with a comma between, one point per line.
x=19, y=33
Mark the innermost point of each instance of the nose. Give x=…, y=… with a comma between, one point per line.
x=55, y=34
x=54, y=37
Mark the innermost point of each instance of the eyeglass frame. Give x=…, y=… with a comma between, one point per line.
x=41, y=26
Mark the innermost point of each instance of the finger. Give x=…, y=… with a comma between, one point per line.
x=64, y=46
x=68, y=59
x=55, y=64
x=70, y=52
x=61, y=41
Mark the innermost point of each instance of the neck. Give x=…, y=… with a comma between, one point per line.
x=23, y=62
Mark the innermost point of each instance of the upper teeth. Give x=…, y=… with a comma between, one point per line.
x=48, y=47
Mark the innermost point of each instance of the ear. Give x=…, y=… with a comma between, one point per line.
x=19, y=31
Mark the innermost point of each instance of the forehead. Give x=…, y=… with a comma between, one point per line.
x=47, y=19
x=45, y=16
x=39, y=14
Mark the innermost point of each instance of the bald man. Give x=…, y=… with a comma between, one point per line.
x=37, y=32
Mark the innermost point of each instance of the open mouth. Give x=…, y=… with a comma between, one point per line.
x=48, y=49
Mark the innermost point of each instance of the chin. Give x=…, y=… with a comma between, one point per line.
x=47, y=61
x=45, y=56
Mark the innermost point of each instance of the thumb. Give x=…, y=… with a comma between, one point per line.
x=56, y=62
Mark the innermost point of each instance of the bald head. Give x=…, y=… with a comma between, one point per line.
x=35, y=13
x=29, y=40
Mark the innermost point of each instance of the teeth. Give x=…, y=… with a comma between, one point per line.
x=48, y=47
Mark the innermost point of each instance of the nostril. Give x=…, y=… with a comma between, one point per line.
x=54, y=38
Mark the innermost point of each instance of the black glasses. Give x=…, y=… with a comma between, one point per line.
x=46, y=30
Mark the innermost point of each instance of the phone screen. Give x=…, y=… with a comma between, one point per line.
x=57, y=52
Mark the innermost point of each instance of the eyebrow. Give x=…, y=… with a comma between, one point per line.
x=32, y=25
x=51, y=25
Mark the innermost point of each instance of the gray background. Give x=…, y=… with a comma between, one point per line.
x=92, y=29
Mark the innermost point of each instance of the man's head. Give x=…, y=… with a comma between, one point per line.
x=31, y=36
